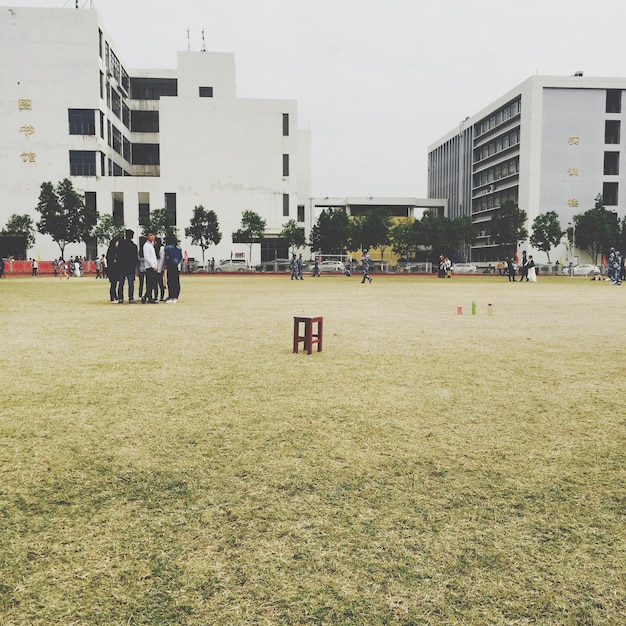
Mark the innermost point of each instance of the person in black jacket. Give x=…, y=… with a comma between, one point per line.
x=127, y=260
x=111, y=259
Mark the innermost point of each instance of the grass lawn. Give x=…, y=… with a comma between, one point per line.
x=178, y=464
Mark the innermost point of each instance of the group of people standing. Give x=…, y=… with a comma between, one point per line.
x=527, y=269
x=155, y=264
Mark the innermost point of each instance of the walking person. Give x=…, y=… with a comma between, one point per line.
x=293, y=266
x=300, y=265
x=152, y=267
x=173, y=256
x=316, y=267
x=365, y=267
x=141, y=267
x=523, y=268
x=34, y=267
x=98, y=264
x=55, y=267
x=126, y=267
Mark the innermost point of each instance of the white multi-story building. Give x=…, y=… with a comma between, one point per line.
x=550, y=144
x=133, y=141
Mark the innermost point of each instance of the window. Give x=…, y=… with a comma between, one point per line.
x=613, y=101
x=102, y=163
x=146, y=154
x=285, y=205
x=609, y=194
x=285, y=124
x=82, y=121
x=611, y=163
x=611, y=131
x=126, y=149
x=117, y=140
x=144, y=214
x=100, y=42
x=102, y=85
x=102, y=124
x=285, y=165
x=152, y=88
x=205, y=92
x=301, y=212
x=116, y=103
x=170, y=207
x=125, y=115
x=144, y=121
x=82, y=163
x=117, y=201
x=90, y=200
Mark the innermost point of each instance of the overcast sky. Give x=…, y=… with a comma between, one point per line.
x=376, y=81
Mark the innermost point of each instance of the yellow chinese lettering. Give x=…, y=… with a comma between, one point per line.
x=572, y=171
x=28, y=157
x=27, y=130
x=24, y=104
x=573, y=202
x=573, y=140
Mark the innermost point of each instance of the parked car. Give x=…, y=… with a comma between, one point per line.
x=278, y=265
x=232, y=265
x=332, y=266
x=463, y=268
x=584, y=269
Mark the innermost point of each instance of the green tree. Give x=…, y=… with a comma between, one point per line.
x=251, y=231
x=376, y=229
x=404, y=236
x=204, y=229
x=159, y=224
x=293, y=234
x=331, y=233
x=596, y=230
x=63, y=214
x=507, y=227
x=107, y=228
x=20, y=226
x=546, y=232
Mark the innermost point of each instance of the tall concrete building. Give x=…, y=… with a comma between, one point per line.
x=133, y=141
x=549, y=144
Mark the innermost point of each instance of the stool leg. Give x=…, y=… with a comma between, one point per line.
x=308, y=336
x=320, y=328
x=296, y=333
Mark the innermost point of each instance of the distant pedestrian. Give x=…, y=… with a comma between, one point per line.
x=127, y=259
x=300, y=265
x=615, y=267
x=63, y=269
x=55, y=267
x=173, y=257
x=293, y=266
x=531, y=270
x=98, y=264
x=365, y=267
x=34, y=267
x=510, y=269
x=111, y=258
x=2, y=267
x=523, y=270
x=152, y=265
x=316, y=267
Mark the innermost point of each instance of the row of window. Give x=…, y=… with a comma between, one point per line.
x=494, y=200
x=501, y=170
x=504, y=142
x=498, y=117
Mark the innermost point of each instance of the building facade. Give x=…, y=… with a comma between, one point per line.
x=133, y=141
x=550, y=144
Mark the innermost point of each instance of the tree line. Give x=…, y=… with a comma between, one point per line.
x=66, y=219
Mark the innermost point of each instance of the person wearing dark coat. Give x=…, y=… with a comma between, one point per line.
x=127, y=261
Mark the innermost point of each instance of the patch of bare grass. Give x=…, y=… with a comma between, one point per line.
x=178, y=464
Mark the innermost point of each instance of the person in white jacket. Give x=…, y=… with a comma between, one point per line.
x=152, y=268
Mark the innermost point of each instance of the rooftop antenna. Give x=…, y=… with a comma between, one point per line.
x=203, y=48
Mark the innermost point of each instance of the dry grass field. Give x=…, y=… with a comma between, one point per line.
x=178, y=464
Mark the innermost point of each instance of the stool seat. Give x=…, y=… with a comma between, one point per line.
x=311, y=335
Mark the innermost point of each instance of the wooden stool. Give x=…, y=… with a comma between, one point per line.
x=309, y=337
